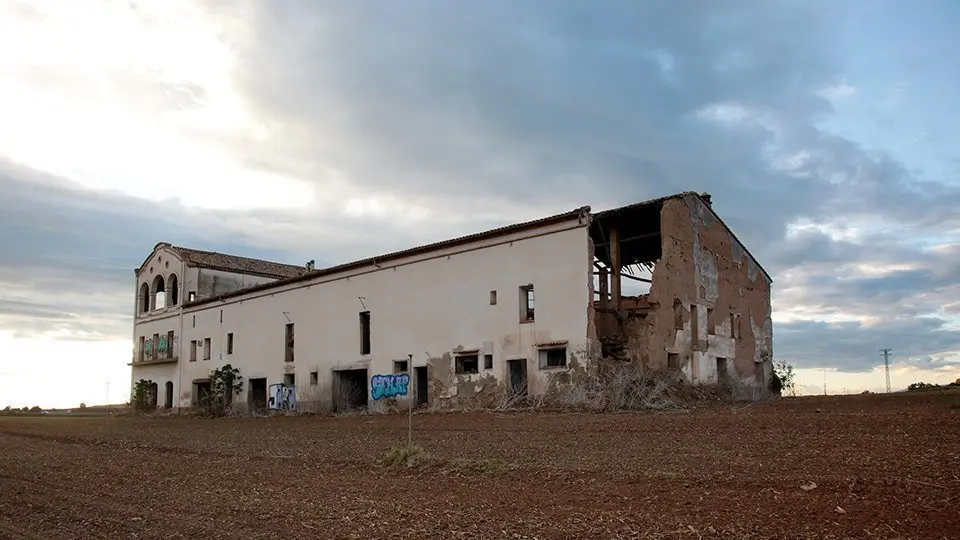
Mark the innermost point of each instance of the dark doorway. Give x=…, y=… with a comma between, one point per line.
x=257, y=398
x=168, y=395
x=201, y=391
x=518, y=376
x=423, y=390
x=349, y=389
x=153, y=395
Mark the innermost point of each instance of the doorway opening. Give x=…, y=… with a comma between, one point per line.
x=349, y=389
x=168, y=395
x=518, y=376
x=423, y=390
x=257, y=398
x=201, y=391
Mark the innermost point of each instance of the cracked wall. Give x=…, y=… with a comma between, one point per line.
x=704, y=270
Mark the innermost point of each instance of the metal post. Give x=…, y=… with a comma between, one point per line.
x=409, y=404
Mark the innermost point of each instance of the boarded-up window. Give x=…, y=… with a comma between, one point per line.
x=207, y=346
x=142, y=349
x=170, y=344
x=193, y=350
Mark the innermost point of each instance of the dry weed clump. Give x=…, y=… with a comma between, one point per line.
x=415, y=457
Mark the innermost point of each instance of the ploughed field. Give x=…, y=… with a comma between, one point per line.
x=883, y=466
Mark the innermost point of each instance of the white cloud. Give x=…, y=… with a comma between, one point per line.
x=838, y=92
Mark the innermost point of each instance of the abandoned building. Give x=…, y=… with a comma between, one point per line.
x=664, y=283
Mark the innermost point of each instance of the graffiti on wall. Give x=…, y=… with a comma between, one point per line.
x=282, y=397
x=162, y=344
x=148, y=346
x=387, y=386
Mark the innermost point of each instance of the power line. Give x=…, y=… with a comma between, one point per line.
x=886, y=363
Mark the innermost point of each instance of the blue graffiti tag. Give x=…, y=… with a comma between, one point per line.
x=382, y=386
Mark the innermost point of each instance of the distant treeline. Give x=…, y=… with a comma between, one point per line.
x=920, y=386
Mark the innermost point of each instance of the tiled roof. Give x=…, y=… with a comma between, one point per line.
x=234, y=263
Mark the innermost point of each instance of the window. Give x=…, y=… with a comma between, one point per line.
x=141, y=351
x=194, y=321
x=206, y=348
x=526, y=303
x=467, y=364
x=400, y=366
x=488, y=361
x=193, y=350
x=191, y=296
x=694, y=324
x=156, y=346
x=673, y=361
x=288, y=343
x=170, y=344
x=553, y=357
x=711, y=324
x=290, y=379
x=144, y=298
x=174, y=290
x=365, y=332
x=493, y=298
x=230, y=343
x=314, y=378
x=677, y=314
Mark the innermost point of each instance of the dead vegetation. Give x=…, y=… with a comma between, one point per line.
x=415, y=457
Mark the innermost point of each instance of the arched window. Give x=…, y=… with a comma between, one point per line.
x=168, y=395
x=144, y=298
x=159, y=293
x=174, y=287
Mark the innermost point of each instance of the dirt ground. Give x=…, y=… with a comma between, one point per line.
x=885, y=466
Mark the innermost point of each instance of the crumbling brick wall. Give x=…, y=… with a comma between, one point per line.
x=703, y=265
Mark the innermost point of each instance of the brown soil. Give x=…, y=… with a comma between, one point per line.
x=885, y=466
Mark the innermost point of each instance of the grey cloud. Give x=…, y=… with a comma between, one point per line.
x=550, y=100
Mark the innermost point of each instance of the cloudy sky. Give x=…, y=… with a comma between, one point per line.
x=297, y=130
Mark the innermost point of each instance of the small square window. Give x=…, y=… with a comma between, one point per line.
x=314, y=378
x=400, y=366
x=467, y=364
x=290, y=379
x=191, y=296
x=673, y=361
x=488, y=361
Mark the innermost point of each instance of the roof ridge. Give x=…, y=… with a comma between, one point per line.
x=233, y=255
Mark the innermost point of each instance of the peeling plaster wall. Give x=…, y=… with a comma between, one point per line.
x=428, y=305
x=703, y=264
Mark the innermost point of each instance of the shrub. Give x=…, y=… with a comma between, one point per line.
x=406, y=456
x=141, y=400
x=225, y=382
x=783, y=378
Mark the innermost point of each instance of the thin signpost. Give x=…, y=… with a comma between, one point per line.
x=409, y=404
